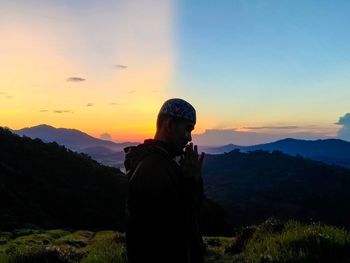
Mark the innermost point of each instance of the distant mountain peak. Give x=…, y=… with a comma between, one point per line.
x=76, y=140
x=49, y=127
x=49, y=133
x=43, y=125
x=40, y=126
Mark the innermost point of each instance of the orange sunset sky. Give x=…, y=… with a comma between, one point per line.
x=107, y=66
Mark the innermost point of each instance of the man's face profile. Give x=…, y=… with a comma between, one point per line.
x=181, y=133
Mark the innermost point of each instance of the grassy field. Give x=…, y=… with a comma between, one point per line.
x=269, y=242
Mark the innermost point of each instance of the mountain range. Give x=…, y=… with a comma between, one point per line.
x=106, y=152
x=331, y=151
x=251, y=186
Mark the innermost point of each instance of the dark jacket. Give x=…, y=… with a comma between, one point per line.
x=162, y=210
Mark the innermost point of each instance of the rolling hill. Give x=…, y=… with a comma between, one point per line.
x=106, y=152
x=257, y=185
x=331, y=151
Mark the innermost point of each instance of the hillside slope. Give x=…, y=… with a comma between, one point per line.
x=257, y=185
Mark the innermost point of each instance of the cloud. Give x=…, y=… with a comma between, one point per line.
x=90, y=104
x=43, y=110
x=345, y=120
x=106, y=137
x=120, y=66
x=225, y=136
x=63, y=111
x=114, y=103
x=132, y=91
x=344, y=131
x=272, y=127
x=75, y=79
x=6, y=95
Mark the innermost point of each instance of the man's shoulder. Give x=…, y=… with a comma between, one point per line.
x=144, y=152
x=154, y=160
x=157, y=163
x=154, y=169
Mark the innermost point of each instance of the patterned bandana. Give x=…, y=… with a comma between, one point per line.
x=179, y=108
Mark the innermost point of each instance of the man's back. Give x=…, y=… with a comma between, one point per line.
x=162, y=208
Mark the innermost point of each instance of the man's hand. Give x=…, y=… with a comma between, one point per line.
x=191, y=162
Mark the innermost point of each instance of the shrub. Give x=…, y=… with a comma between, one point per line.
x=299, y=243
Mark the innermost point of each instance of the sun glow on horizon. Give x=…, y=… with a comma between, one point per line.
x=67, y=69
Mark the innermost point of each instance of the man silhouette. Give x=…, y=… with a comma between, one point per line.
x=165, y=195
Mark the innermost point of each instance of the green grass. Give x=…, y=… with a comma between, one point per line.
x=299, y=243
x=60, y=246
x=269, y=242
x=107, y=247
x=38, y=246
x=77, y=239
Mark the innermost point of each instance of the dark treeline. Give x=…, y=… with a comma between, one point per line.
x=50, y=186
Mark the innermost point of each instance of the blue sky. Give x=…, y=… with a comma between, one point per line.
x=267, y=57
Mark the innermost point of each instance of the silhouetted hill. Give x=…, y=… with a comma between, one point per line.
x=257, y=185
x=50, y=186
x=106, y=152
x=219, y=149
x=331, y=151
x=71, y=138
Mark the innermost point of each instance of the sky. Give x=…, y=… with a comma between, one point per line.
x=252, y=69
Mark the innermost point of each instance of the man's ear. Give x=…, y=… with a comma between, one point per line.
x=169, y=125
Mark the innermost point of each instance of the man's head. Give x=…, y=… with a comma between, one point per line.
x=175, y=122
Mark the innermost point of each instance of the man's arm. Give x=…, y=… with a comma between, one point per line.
x=158, y=214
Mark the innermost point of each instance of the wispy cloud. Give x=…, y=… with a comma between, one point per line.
x=5, y=95
x=132, y=91
x=120, y=66
x=43, y=110
x=120, y=103
x=271, y=127
x=63, y=111
x=90, y=104
x=75, y=79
